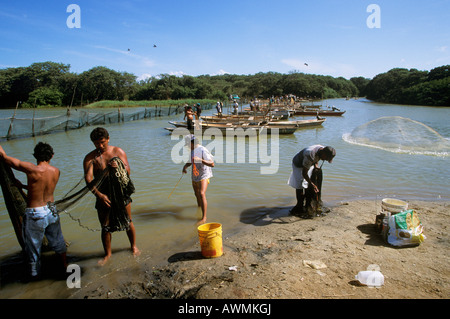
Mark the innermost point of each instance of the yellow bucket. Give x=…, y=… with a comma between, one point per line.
x=210, y=236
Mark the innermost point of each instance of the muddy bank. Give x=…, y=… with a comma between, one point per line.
x=280, y=256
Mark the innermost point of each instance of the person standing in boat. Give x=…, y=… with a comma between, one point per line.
x=219, y=108
x=202, y=163
x=303, y=164
x=113, y=194
x=235, y=107
x=39, y=220
x=189, y=117
x=198, y=109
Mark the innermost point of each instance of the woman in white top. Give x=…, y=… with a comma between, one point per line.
x=203, y=162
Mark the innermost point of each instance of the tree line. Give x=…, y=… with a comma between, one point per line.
x=52, y=84
x=414, y=87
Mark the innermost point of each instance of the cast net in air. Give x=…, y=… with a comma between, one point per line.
x=400, y=135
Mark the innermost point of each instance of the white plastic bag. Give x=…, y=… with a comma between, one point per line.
x=405, y=229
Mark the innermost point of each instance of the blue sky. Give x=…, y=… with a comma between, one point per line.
x=239, y=37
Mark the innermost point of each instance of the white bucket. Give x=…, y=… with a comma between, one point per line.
x=394, y=205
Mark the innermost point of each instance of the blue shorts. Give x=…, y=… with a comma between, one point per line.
x=38, y=222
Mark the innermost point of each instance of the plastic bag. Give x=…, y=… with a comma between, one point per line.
x=405, y=229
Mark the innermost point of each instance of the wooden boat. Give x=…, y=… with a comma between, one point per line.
x=318, y=112
x=299, y=123
x=238, y=118
x=239, y=129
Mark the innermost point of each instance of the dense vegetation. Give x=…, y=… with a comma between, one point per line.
x=412, y=86
x=52, y=84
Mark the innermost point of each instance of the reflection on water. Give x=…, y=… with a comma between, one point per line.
x=174, y=212
x=166, y=226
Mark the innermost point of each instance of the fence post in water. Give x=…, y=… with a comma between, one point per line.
x=67, y=119
x=34, y=111
x=12, y=120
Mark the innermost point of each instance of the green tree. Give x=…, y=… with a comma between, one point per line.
x=411, y=87
x=44, y=96
x=361, y=84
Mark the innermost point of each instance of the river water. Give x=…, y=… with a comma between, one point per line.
x=166, y=226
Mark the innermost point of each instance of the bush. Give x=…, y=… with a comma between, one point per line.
x=44, y=96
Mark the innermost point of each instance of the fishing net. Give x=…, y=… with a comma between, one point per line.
x=398, y=134
x=113, y=182
x=19, y=127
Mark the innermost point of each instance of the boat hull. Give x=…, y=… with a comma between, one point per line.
x=320, y=113
x=238, y=129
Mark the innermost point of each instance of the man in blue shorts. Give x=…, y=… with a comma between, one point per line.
x=39, y=220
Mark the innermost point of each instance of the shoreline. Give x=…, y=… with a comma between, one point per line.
x=278, y=256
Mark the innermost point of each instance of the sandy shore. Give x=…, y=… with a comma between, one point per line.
x=269, y=260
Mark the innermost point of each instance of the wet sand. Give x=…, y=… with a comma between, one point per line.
x=271, y=259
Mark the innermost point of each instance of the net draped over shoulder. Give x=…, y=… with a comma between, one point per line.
x=117, y=185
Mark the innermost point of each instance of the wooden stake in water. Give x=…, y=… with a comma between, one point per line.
x=12, y=120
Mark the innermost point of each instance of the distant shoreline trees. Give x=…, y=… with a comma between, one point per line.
x=52, y=84
x=403, y=86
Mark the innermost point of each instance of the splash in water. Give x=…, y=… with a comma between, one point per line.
x=400, y=135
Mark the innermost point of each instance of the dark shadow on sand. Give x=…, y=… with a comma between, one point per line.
x=374, y=238
x=14, y=269
x=187, y=255
x=262, y=216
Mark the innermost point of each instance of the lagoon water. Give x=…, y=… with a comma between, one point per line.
x=166, y=226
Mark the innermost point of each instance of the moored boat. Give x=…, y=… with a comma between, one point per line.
x=239, y=129
x=299, y=123
x=238, y=118
x=318, y=112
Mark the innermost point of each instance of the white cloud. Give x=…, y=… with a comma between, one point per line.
x=144, y=77
x=221, y=72
x=177, y=73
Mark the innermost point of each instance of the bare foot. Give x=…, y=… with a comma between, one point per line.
x=103, y=261
x=201, y=222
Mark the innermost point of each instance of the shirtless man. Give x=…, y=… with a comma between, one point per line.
x=95, y=163
x=189, y=116
x=38, y=219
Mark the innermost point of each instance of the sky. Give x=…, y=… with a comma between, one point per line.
x=347, y=38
